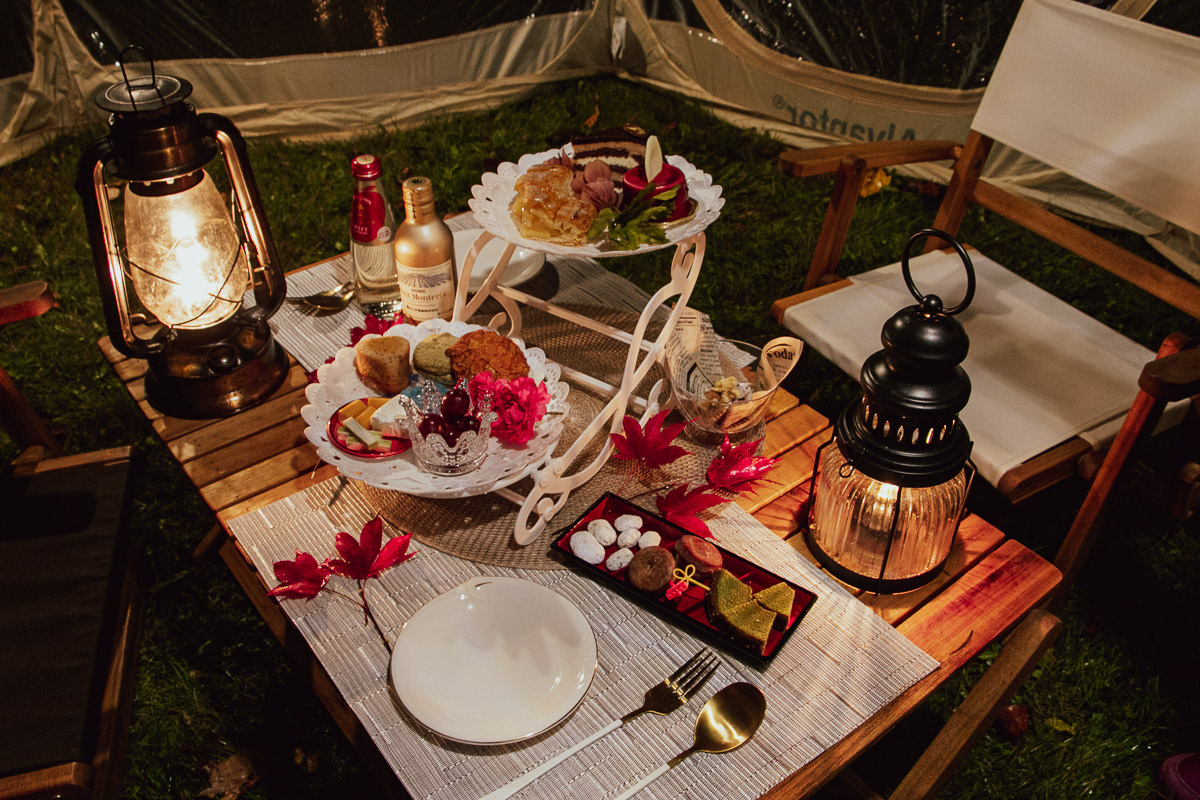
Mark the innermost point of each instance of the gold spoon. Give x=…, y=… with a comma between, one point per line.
x=727, y=721
x=329, y=301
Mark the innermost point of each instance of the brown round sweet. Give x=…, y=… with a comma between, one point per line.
x=650, y=570
x=699, y=553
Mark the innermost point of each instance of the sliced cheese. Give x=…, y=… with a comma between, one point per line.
x=369, y=437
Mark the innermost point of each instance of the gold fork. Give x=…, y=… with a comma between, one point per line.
x=662, y=699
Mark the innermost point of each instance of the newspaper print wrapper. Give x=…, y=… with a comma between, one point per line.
x=725, y=386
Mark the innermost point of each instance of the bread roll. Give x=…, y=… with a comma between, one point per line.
x=382, y=363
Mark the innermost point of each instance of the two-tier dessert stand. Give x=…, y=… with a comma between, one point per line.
x=491, y=199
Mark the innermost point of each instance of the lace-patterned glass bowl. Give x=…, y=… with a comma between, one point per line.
x=338, y=383
x=491, y=199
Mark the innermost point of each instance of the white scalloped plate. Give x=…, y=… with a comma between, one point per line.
x=491, y=199
x=338, y=383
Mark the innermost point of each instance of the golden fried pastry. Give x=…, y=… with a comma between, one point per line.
x=548, y=210
x=487, y=351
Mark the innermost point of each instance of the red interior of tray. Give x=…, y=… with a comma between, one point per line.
x=691, y=602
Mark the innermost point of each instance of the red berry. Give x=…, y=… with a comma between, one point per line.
x=456, y=404
x=431, y=424
x=451, y=437
x=467, y=423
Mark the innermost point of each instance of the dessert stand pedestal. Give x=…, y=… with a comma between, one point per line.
x=551, y=483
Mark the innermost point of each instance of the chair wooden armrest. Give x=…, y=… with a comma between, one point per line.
x=25, y=300
x=824, y=160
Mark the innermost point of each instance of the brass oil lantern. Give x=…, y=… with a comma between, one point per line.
x=188, y=254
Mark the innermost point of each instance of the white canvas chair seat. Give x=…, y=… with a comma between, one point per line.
x=1108, y=100
x=1041, y=370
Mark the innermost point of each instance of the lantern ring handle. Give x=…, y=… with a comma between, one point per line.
x=906, y=271
x=125, y=75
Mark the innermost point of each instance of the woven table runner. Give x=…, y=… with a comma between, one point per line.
x=841, y=665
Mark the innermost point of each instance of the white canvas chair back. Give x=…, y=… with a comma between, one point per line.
x=1111, y=101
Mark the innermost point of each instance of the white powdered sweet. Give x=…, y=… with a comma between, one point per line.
x=619, y=560
x=649, y=539
x=603, y=530
x=629, y=538
x=584, y=545
x=627, y=521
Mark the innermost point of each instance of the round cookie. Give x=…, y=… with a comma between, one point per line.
x=650, y=570
x=429, y=357
x=699, y=553
x=619, y=560
x=603, y=530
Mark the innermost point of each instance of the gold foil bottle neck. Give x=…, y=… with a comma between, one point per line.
x=418, y=200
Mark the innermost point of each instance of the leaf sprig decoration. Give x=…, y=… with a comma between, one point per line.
x=649, y=444
x=631, y=227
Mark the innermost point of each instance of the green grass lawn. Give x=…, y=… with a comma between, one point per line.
x=1116, y=695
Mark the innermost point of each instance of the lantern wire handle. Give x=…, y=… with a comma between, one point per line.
x=125, y=75
x=958, y=248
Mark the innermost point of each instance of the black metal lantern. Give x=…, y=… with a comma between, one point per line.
x=189, y=254
x=890, y=486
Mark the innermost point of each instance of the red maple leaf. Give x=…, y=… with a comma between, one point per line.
x=301, y=578
x=737, y=468
x=364, y=558
x=649, y=444
x=680, y=506
x=373, y=324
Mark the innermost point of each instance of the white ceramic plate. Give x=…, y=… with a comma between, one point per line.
x=494, y=660
x=523, y=265
x=493, y=196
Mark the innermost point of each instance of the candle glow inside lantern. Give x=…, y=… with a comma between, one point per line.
x=189, y=255
x=890, y=486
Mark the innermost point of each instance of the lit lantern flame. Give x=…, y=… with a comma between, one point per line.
x=187, y=264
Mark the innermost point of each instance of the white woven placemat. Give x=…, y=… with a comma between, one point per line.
x=838, y=668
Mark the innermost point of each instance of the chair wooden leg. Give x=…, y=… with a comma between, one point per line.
x=117, y=705
x=21, y=421
x=836, y=226
x=970, y=721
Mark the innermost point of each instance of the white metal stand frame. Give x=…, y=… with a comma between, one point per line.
x=551, y=485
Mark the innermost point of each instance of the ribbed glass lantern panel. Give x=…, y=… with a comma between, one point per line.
x=853, y=518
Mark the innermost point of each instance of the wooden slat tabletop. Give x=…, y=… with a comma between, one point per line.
x=250, y=460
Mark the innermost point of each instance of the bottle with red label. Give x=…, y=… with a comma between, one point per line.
x=372, y=227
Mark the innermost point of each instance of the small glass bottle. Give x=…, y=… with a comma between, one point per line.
x=424, y=248
x=372, y=226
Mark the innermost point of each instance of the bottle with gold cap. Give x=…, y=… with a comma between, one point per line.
x=424, y=248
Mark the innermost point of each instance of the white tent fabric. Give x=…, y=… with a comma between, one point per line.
x=343, y=93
